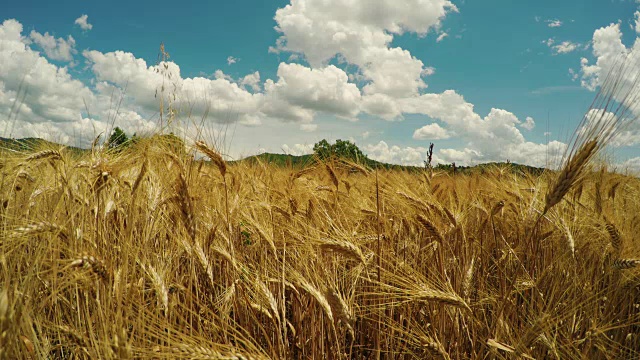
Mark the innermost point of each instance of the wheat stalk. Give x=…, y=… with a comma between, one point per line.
x=613, y=109
x=199, y=352
x=614, y=236
x=332, y=175
x=416, y=202
x=450, y=216
x=302, y=172
x=214, y=156
x=225, y=255
x=204, y=261
x=140, y=177
x=468, y=278
x=355, y=166
x=261, y=309
x=92, y=263
x=432, y=232
x=569, y=175
x=186, y=206
x=434, y=348
x=305, y=285
x=40, y=228
x=162, y=291
x=25, y=175
x=621, y=264
x=570, y=241
x=497, y=207
x=44, y=154
x=281, y=211
x=612, y=191
x=340, y=308
x=268, y=296
x=342, y=247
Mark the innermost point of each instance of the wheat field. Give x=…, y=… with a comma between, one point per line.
x=164, y=250
x=157, y=252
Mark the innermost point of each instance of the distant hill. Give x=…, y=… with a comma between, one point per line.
x=27, y=144
x=278, y=159
x=304, y=160
x=284, y=160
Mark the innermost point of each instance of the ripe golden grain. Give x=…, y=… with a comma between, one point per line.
x=621, y=264
x=432, y=232
x=214, y=156
x=342, y=247
x=614, y=236
x=332, y=175
x=377, y=273
x=44, y=154
x=92, y=263
x=569, y=175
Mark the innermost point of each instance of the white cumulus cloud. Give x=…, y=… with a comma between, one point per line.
x=563, y=47
x=607, y=48
x=362, y=34
x=50, y=103
x=52, y=93
x=631, y=165
x=252, y=81
x=494, y=137
x=461, y=157
x=392, y=79
x=297, y=149
x=609, y=52
x=431, y=132
x=552, y=23
x=395, y=154
x=383, y=106
x=222, y=99
x=302, y=91
x=83, y=23
x=573, y=74
x=379, y=80
x=55, y=49
x=528, y=124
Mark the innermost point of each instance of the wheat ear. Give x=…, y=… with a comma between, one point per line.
x=95, y=265
x=432, y=232
x=570, y=174
x=186, y=206
x=614, y=236
x=621, y=264
x=45, y=154
x=214, y=156
x=332, y=175
x=343, y=247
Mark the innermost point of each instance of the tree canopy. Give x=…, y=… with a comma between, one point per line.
x=342, y=148
x=117, y=139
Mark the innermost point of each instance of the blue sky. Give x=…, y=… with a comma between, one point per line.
x=485, y=81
